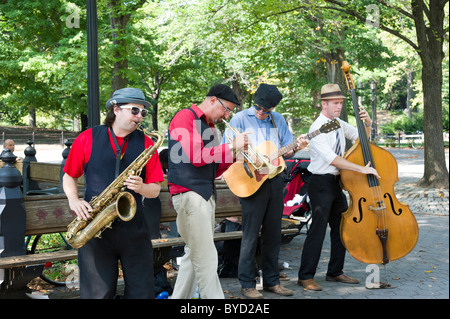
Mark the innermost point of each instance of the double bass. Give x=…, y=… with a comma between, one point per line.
x=377, y=228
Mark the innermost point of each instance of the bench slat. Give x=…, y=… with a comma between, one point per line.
x=35, y=259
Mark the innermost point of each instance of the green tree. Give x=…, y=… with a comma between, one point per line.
x=42, y=59
x=428, y=21
x=288, y=43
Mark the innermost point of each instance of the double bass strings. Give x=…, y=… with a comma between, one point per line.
x=378, y=206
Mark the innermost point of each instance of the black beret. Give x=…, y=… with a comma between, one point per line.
x=267, y=96
x=223, y=91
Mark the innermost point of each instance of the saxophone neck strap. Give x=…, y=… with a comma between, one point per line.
x=118, y=150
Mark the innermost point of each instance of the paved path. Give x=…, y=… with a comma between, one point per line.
x=422, y=274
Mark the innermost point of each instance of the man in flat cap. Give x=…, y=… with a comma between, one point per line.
x=101, y=153
x=196, y=158
x=263, y=210
x=328, y=201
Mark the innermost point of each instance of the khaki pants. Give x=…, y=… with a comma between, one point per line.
x=195, y=223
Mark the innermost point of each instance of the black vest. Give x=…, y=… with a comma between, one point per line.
x=99, y=171
x=182, y=172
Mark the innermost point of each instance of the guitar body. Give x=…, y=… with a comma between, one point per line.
x=244, y=180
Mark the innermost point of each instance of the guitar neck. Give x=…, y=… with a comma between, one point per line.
x=313, y=134
x=293, y=145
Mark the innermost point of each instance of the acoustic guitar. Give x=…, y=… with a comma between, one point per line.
x=244, y=179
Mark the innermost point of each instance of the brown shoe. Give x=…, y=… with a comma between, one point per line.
x=343, y=278
x=309, y=284
x=283, y=277
x=280, y=290
x=251, y=293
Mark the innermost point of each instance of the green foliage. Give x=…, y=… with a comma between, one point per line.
x=41, y=58
x=176, y=50
x=404, y=124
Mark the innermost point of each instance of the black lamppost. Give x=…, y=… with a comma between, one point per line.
x=93, y=78
x=373, y=86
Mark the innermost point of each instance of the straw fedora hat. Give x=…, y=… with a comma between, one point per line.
x=331, y=91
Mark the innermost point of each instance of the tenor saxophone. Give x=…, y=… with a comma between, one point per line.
x=113, y=202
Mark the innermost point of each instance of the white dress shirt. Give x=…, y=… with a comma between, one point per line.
x=323, y=145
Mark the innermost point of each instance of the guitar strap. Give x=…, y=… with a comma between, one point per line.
x=275, y=126
x=284, y=174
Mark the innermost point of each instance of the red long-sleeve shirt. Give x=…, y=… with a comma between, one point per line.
x=80, y=154
x=183, y=128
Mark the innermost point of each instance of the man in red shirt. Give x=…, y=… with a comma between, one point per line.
x=196, y=158
x=101, y=154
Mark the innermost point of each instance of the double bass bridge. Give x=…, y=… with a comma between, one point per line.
x=380, y=206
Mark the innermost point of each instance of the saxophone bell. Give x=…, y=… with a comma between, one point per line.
x=126, y=206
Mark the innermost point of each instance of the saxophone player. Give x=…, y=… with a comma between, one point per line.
x=101, y=153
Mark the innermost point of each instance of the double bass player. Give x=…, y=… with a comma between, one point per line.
x=327, y=198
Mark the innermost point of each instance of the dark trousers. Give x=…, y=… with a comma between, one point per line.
x=261, y=212
x=98, y=263
x=328, y=202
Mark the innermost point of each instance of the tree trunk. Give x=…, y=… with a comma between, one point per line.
x=84, y=122
x=409, y=91
x=430, y=39
x=241, y=94
x=436, y=173
x=32, y=116
x=118, y=24
x=155, y=97
x=335, y=75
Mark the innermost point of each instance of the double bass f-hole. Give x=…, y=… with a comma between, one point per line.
x=378, y=208
x=400, y=211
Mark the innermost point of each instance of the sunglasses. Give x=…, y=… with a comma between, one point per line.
x=135, y=110
x=259, y=108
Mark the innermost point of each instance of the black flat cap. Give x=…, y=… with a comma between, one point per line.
x=267, y=96
x=128, y=95
x=223, y=91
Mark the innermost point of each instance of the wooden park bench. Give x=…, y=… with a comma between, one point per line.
x=50, y=213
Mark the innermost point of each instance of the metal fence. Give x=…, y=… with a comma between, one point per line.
x=411, y=140
x=40, y=137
